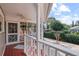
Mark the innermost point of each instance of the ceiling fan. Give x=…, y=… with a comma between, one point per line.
x=22, y=16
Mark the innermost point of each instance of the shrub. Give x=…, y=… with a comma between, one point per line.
x=70, y=38
x=49, y=35
x=76, y=33
x=62, y=35
x=66, y=31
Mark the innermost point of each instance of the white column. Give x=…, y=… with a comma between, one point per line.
x=41, y=30
x=25, y=44
x=38, y=27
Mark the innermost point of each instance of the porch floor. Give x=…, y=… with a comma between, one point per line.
x=11, y=51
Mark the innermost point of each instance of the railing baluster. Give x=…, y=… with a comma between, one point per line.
x=43, y=49
x=47, y=47
x=55, y=52
x=48, y=51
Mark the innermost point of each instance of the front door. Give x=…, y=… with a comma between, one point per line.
x=11, y=32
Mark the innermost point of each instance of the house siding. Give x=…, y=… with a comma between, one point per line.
x=2, y=43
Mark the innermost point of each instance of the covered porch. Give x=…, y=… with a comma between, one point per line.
x=23, y=24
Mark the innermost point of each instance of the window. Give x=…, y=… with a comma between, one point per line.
x=12, y=27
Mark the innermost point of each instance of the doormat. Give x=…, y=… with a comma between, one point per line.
x=19, y=47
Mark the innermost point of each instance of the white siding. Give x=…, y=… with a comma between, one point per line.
x=2, y=42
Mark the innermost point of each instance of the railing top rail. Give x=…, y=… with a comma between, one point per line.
x=58, y=47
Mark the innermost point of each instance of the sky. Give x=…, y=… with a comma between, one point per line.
x=65, y=12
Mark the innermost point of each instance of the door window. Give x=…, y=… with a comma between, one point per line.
x=12, y=27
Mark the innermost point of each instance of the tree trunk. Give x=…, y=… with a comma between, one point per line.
x=57, y=35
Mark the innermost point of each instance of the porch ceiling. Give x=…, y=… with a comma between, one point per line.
x=20, y=10
x=25, y=11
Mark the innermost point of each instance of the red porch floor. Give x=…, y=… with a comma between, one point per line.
x=11, y=51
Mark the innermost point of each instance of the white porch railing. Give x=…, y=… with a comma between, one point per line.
x=45, y=48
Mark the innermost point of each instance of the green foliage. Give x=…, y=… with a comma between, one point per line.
x=75, y=33
x=66, y=31
x=48, y=26
x=50, y=21
x=65, y=36
x=52, y=18
x=66, y=27
x=57, y=26
x=49, y=35
x=70, y=38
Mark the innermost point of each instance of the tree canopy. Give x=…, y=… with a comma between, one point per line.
x=57, y=26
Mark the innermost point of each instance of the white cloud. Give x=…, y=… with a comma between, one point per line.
x=57, y=13
x=54, y=7
x=64, y=8
x=65, y=19
x=57, y=9
x=75, y=15
x=68, y=19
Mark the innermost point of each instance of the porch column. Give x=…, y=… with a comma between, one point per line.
x=41, y=30
x=38, y=27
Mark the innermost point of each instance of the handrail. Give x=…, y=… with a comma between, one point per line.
x=58, y=47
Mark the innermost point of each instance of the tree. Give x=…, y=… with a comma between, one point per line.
x=50, y=21
x=66, y=27
x=57, y=27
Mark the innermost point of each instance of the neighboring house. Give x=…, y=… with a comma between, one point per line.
x=74, y=29
x=77, y=23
